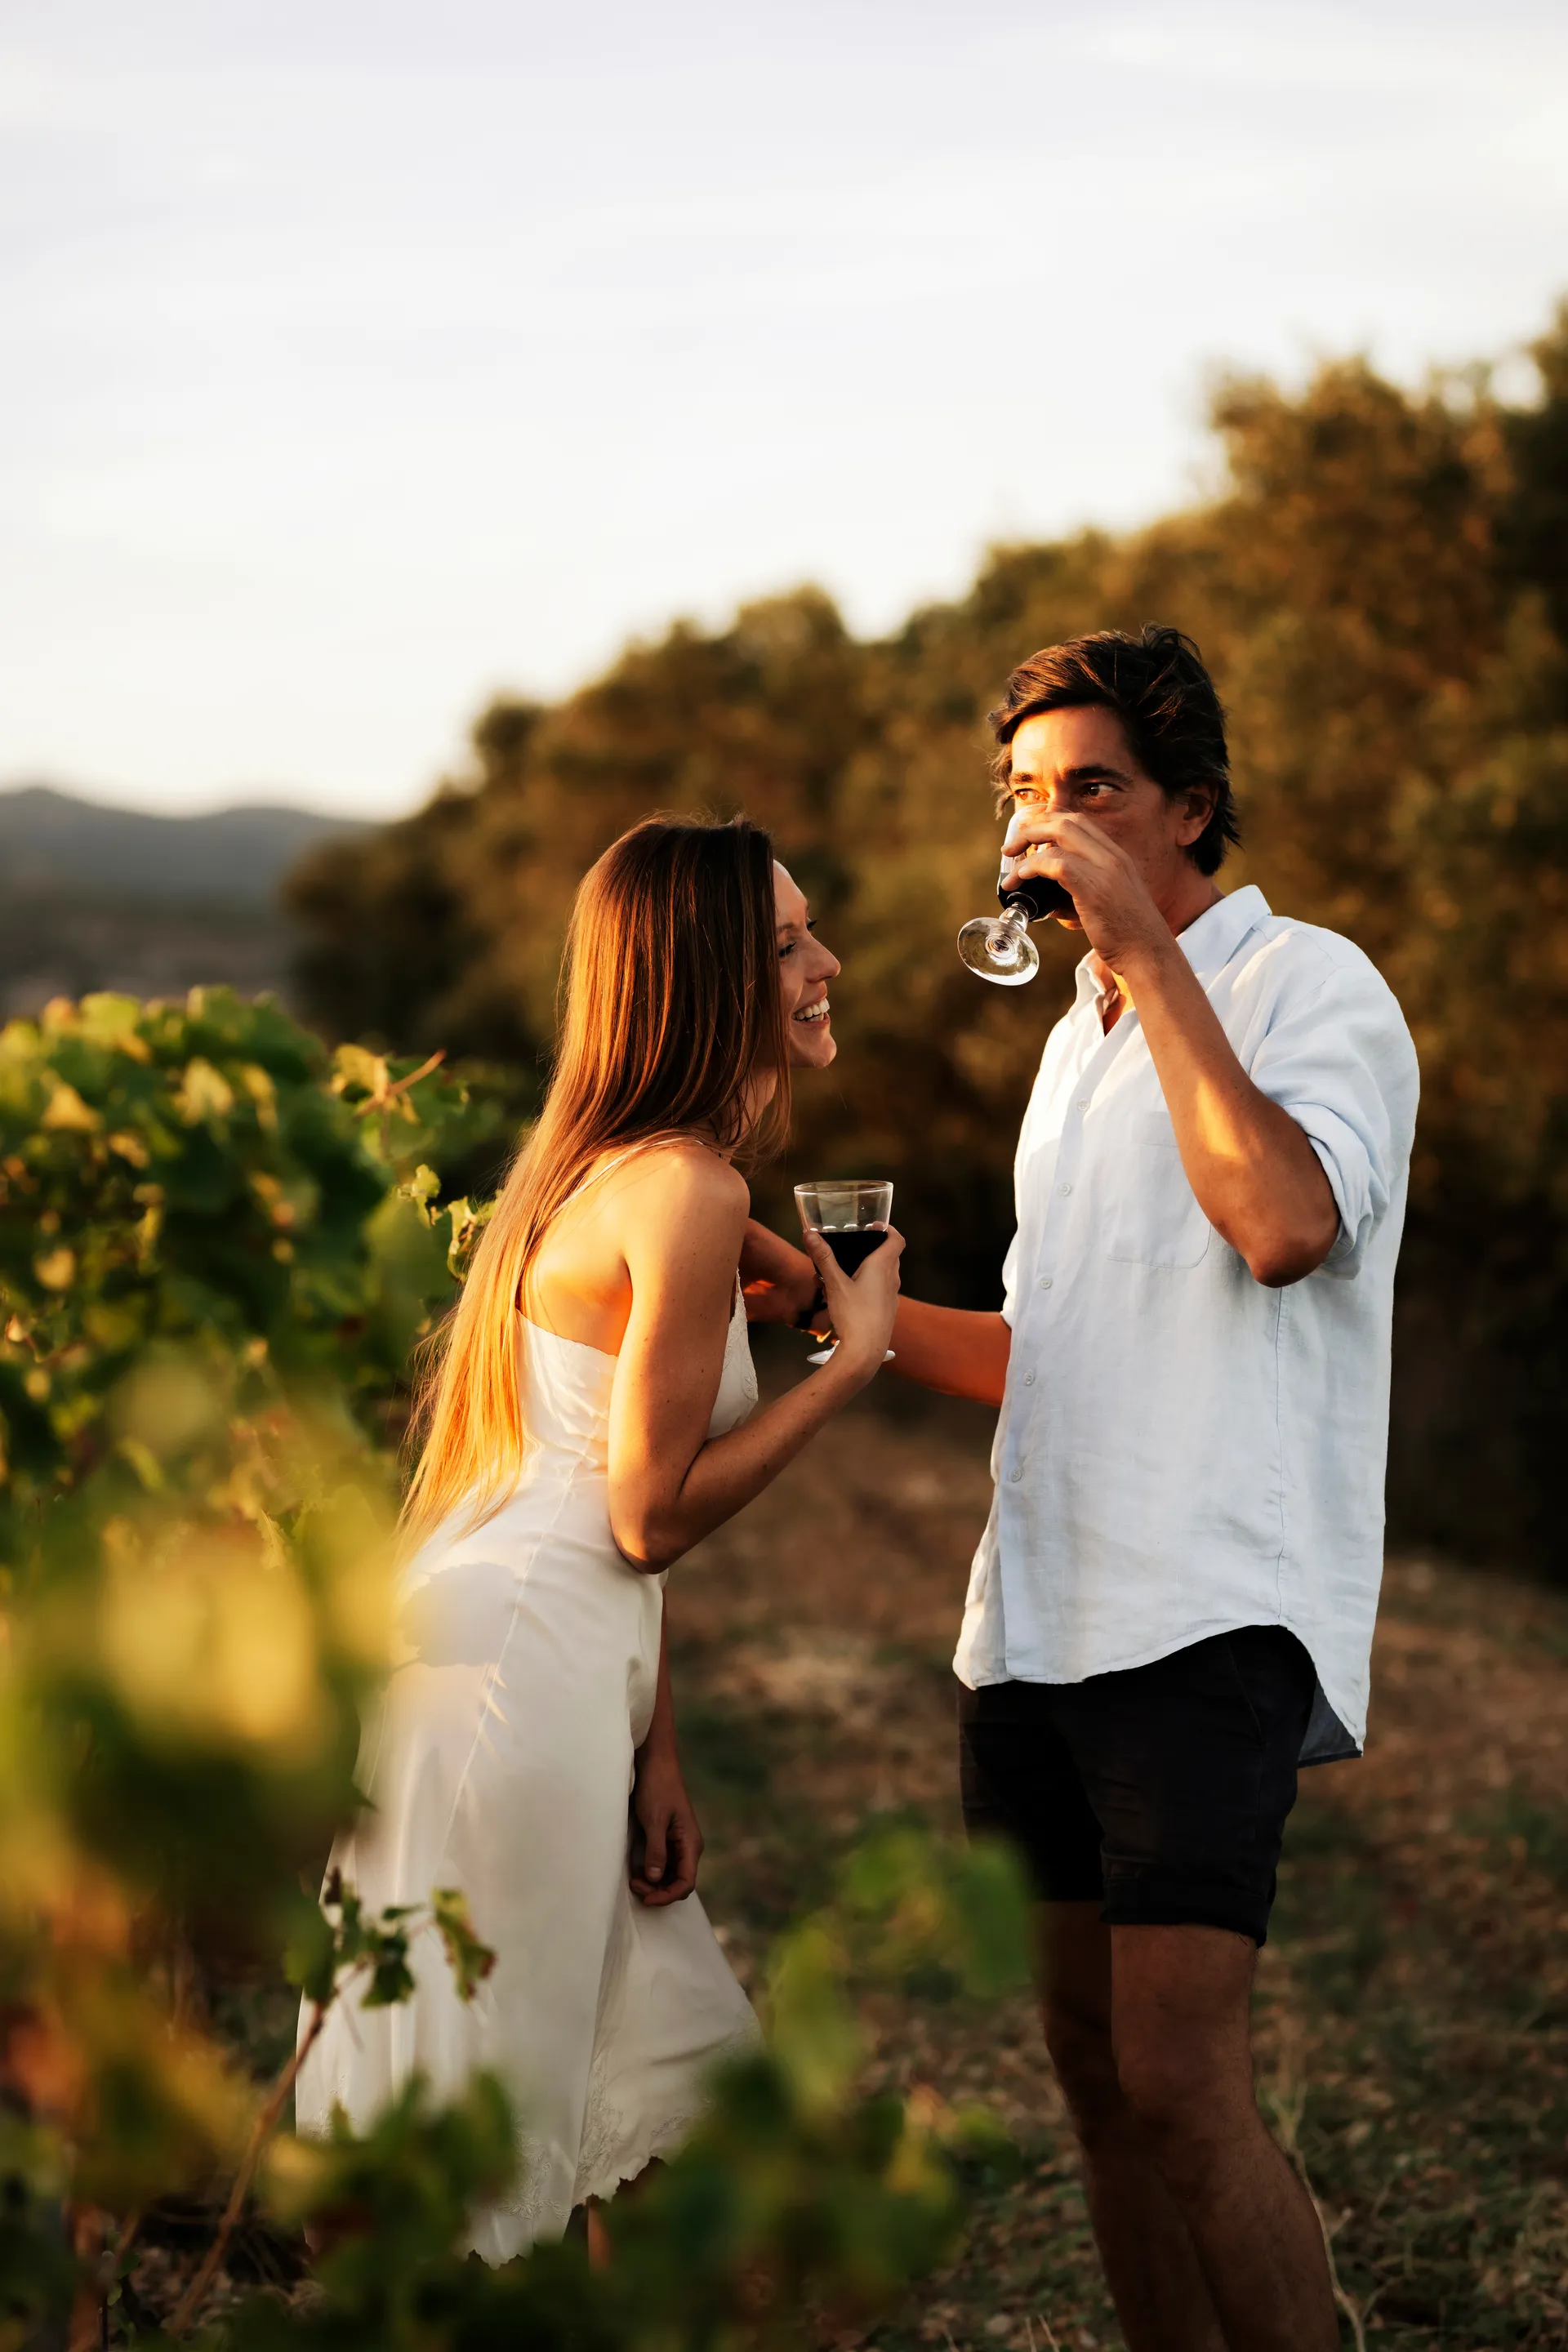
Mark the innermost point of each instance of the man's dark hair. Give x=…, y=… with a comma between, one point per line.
x=1157, y=686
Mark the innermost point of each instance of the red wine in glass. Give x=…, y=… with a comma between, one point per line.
x=852, y=1244
x=1037, y=894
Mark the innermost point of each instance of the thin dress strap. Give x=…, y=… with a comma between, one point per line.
x=579, y=1189
x=648, y=1143
x=619, y=1159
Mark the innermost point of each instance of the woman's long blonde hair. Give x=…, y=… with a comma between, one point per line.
x=671, y=1013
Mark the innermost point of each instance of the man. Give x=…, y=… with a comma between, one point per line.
x=1172, y=1602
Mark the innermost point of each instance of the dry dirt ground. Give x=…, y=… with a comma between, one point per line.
x=1412, y=2012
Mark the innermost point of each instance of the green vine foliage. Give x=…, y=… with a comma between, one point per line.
x=200, y=1214
x=217, y=1244
x=798, y=2201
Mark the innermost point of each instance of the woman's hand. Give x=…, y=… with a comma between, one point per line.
x=666, y=1843
x=862, y=1305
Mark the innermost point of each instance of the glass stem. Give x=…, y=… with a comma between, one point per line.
x=1011, y=924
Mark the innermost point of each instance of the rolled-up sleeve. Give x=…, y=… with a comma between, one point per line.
x=1339, y=1058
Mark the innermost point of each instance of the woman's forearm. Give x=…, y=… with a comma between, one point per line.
x=659, y=1738
x=953, y=1350
x=670, y=1484
x=730, y=1472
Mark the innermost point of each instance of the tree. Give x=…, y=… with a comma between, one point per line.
x=1380, y=588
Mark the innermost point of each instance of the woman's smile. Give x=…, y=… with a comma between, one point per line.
x=806, y=968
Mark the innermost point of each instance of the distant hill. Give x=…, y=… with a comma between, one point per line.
x=54, y=842
x=98, y=898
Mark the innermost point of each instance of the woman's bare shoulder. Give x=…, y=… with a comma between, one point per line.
x=685, y=1173
x=679, y=1216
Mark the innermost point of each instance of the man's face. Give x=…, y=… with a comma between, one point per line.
x=1079, y=761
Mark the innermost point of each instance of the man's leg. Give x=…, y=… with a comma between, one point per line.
x=1155, y=2277
x=1180, y=2016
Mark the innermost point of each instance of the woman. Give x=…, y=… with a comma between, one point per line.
x=591, y=1418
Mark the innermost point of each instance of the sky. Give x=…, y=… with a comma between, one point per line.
x=362, y=359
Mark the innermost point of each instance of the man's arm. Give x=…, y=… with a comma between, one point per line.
x=952, y=1349
x=779, y=1281
x=1256, y=1178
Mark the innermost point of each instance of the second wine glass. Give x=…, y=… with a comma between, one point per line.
x=998, y=947
x=852, y=1214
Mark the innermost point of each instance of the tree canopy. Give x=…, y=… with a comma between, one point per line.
x=1380, y=586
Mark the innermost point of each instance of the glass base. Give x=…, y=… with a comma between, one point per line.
x=999, y=951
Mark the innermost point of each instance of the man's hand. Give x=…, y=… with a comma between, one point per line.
x=779, y=1282
x=666, y=1843
x=1110, y=896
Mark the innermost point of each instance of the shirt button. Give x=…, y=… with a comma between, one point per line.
x=1029, y=1380
x=1016, y=1474
x=1082, y=1104
x=1064, y=1190
x=1044, y=1282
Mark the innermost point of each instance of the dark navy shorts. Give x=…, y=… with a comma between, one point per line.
x=1160, y=1791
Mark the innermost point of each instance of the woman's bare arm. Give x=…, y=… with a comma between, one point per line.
x=666, y=1853
x=670, y=1486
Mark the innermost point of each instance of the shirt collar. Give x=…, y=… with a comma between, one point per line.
x=1208, y=943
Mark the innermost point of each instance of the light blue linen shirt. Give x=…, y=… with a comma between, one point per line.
x=1180, y=1451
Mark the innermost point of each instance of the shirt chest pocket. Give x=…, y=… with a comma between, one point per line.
x=1154, y=1217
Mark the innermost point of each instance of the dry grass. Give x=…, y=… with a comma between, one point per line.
x=1413, y=2000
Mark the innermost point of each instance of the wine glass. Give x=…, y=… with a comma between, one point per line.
x=998, y=947
x=852, y=1215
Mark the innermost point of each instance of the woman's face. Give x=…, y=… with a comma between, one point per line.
x=806, y=967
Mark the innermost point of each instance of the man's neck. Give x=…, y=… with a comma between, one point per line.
x=1192, y=899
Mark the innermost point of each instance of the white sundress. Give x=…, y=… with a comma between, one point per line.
x=500, y=1761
